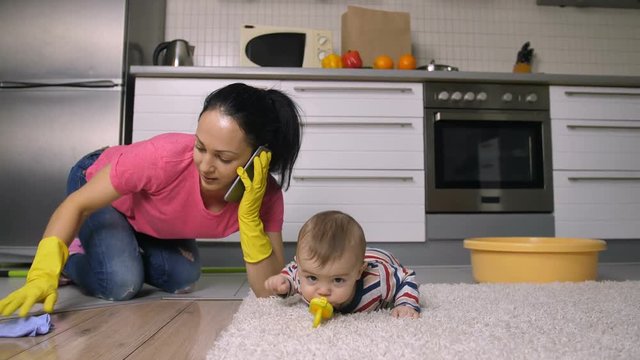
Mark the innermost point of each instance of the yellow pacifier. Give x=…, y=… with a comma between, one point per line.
x=321, y=309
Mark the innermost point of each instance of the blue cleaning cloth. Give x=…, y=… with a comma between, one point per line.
x=29, y=326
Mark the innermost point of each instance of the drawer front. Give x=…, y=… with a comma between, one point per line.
x=172, y=104
x=189, y=86
x=597, y=204
x=356, y=99
x=594, y=103
x=362, y=143
x=374, y=232
x=388, y=204
x=595, y=145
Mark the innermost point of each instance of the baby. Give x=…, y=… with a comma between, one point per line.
x=332, y=261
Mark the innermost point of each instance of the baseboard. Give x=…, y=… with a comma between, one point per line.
x=433, y=252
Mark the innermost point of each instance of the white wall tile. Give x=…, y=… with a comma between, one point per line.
x=471, y=34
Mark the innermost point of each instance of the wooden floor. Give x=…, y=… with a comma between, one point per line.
x=158, y=329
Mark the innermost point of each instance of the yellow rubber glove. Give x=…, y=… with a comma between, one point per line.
x=253, y=240
x=42, y=279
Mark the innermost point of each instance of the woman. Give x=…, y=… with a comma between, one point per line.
x=137, y=209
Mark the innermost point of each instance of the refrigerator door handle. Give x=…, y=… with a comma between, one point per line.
x=75, y=84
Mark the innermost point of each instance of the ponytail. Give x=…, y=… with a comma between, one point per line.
x=267, y=117
x=288, y=138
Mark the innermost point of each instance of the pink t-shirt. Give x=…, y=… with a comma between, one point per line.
x=160, y=188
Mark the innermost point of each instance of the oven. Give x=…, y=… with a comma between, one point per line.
x=488, y=148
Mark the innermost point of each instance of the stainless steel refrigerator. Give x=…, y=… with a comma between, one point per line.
x=63, y=73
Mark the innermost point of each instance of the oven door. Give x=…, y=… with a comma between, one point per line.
x=488, y=161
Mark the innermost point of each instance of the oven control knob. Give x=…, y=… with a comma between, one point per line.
x=469, y=96
x=531, y=98
x=507, y=97
x=321, y=54
x=322, y=40
x=482, y=96
x=443, y=95
x=456, y=96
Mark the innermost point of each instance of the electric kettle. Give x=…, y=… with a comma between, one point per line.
x=174, y=53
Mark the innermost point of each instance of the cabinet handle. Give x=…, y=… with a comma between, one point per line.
x=621, y=127
x=350, y=89
x=355, y=123
x=340, y=178
x=600, y=93
x=601, y=178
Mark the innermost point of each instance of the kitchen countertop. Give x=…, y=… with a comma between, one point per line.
x=381, y=75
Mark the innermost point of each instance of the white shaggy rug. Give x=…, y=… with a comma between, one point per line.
x=590, y=320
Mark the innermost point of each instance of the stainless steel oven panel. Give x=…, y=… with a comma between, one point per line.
x=454, y=95
x=461, y=226
x=488, y=200
x=482, y=200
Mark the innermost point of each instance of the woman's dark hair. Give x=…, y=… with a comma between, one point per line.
x=267, y=117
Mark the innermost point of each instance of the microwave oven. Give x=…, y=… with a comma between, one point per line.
x=262, y=45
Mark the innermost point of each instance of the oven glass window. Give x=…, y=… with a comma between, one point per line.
x=277, y=49
x=488, y=154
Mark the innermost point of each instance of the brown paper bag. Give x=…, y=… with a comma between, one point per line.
x=376, y=32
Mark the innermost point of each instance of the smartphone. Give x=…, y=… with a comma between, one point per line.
x=235, y=192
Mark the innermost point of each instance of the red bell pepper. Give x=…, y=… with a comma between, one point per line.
x=351, y=59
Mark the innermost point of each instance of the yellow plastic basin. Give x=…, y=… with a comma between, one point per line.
x=534, y=259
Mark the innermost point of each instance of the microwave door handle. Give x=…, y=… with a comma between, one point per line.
x=538, y=116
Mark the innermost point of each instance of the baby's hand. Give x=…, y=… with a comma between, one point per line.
x=405, y=311
x=277, y=285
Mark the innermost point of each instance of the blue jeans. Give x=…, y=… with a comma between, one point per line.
x=118, y=260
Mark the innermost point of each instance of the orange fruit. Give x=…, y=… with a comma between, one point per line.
x=407, y=62
x=383, y=62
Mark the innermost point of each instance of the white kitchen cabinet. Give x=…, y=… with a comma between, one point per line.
x=362, y=153
x=349, y=125
x=596, y=161
x=362, y=147
x=164, y=105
